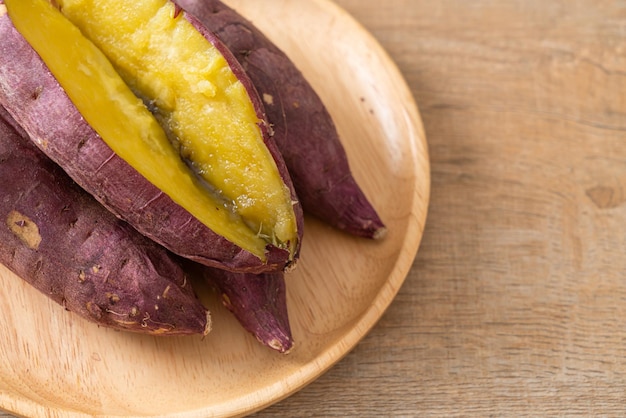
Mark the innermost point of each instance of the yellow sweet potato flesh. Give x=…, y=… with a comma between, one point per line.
x=203, y=105
x=165, y=60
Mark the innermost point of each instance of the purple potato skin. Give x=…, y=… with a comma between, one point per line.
x=68, y=246
x=303, y=129
x=38, y=103
x=259, y=302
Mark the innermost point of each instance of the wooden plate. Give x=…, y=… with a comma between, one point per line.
x=54, y=363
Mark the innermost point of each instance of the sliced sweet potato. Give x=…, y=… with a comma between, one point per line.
x=65, y=244
x=303, y=129
x=242, y=216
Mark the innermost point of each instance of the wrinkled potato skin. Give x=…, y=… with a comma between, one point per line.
x=259, y=302
x=65, y=244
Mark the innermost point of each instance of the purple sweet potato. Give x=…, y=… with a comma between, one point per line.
x=303, y=129
x=65, y=244
x=34, y=97
x=259, y=302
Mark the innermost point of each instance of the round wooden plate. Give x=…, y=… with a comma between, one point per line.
x=55, y=364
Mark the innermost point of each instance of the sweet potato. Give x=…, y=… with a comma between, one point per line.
x=259, y=302
x=303, y=129
x=208, y=223
x=65, y=244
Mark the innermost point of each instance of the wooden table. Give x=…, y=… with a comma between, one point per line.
x=516, y=302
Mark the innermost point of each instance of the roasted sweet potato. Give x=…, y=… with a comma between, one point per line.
x=303, y=129
x=242, y=216
x=258, y=301
x=64, y=243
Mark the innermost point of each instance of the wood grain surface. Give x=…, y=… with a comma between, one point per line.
x=515, y=305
